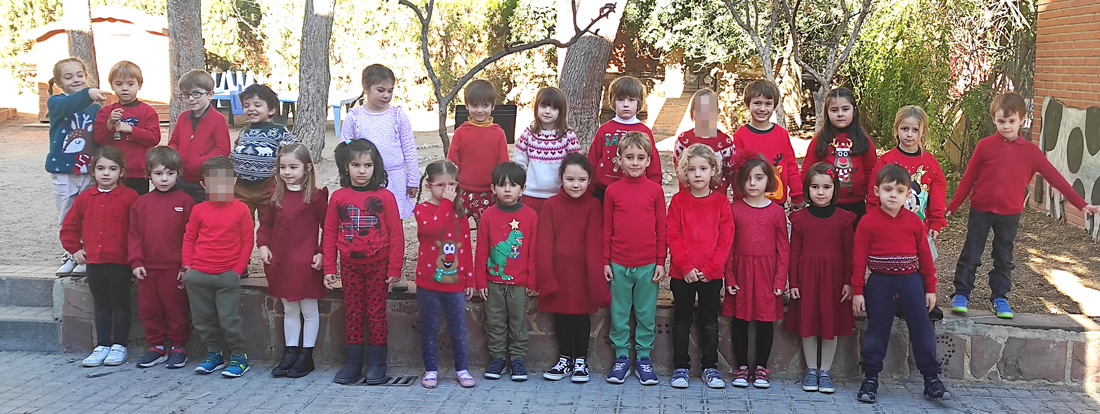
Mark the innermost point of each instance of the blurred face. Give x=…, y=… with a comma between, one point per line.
x=892, y=196
x=292, y=170
x=821, y=190
x=219, y=185
x=440, y=184
x=634, y=161
x=761, y=109
x=379, y=95
x=163, y=179
x=508, y=193
x=706, y=112
x=107, y=173
x=125, y=89
x=626, y=108
x=699, y=173
x=480, y=112
x=909, y=134
x=72, y=77
x=575, y=181
x=257, y=110
x=757, y=184
x=1008, y=125
x=197, y=100
x=361, y=169
x=548, y=116
x=840, y=112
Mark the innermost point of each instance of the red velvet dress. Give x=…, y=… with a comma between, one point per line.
x=292, y=233
x=758, y=262
x=821, y=262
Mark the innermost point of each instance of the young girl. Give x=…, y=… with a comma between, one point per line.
x=757, y=271
x=704, y=112
x=928, y=192
x=288, y=234
x=700, y=233
x=541, y=147
x=821, y=262
x=363, y=224
x=444, y=270
x=570, y=270
x=72, y=114
x=843, y=143
x=94, y=232
x=389, y=129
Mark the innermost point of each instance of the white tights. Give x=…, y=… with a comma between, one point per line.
x=828, y=350
x=292, y=322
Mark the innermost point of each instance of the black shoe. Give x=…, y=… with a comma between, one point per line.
x=289, y=356
x=934, y=389
x=936, y=314
x=353, y=365
x=496, y=368
x=376, y=365
x=519, y=370
x=177, y=358
x=868, y=390
x=303, y=365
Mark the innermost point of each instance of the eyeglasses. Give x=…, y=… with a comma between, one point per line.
x=192, y=95
x=443, y=184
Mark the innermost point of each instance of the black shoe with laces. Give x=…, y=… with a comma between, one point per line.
x=868, y=390
x=934, y=389
x=562, y=369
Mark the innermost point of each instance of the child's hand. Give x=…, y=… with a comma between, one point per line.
x=692, y=276
x=470, y=293
x=732, y=290
x=1091, y=209
x=778, y=292
x=179, y=277
x=330, y=281
x=933, y=234
x=607, y=274
x=139, y=272
x=316, y=265
x=929, y=301
x=79, y=257
x=115, y=116
x=532, y=293
x=124, y=127
x=795, y=294
x=96, y=95
x=947, y=213
x=411, y=192
x=846, y=293
x=859, y=305
x=450, y=193
x=265, y=255
x=658, y=274
x=484, y=293
x=392, y=280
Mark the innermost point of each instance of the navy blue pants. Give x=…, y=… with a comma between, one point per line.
x=885, y=295
x=1004, y=237
x=452, y=306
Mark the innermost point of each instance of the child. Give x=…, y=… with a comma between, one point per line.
x=543, y=145
x=821, y=259
x=254, y=153
x=504, y=271
x=998, y=173
x=771, y=141
x=928, y=191
x=626, y=95
x=129, y=124
x=893, y=243
x=843, y=143
x=216, y=247
x=289, y=248
x=94, y=233
x=200, y=133
x=391, y=132
x=704, y=112
x=757, y=271
x=478, y=145
x=72, y=114
x=364, y=226
x=700, y=233
x=570, y=274
x=634, y=256
x=444, y=270
x=157, y=224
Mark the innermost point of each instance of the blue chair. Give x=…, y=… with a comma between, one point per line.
x=235, y=103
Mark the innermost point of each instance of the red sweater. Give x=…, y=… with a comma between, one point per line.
x=775, y=145
x=1004, y=168
x=629, y=206
x=504, y=244
x=364, y=226
x=700, y=234
x=568, y=256
x=722, y=145
x=476, y=150
x=98, y=222
x=146, y=123
x=210, y=138
x=605, y=150
x=218, y=237
x=894, y=245
x=157, y=224
x=854, y=171
x=444, y=262
x=926, y=171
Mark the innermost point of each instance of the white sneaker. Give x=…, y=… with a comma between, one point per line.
x=116, y=357
x=80, y=270
x=96, y=358
x=66, y=268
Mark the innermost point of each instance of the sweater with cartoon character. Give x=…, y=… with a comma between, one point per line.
x=505, y=240
x=604, y=152
x=364, y=226
x=444, y=262
x=71, y=141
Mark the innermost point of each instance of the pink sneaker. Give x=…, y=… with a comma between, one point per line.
x=431, y=379
x=466, y=380
x=761, y=377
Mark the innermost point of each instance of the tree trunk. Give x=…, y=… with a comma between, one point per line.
x=584, y=67
x=313, y=76
x=819, y=105
x=78, y=23
x=185, y=47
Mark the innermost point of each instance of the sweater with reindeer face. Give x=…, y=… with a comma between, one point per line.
x=444, y=262
x=71, y=140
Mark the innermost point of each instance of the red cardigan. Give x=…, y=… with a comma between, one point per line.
x=605, y=147
x=508, y=237
x=146, y=123
x=722, y=145
x=443, y=262
x=857, y=175
x=218, y=237
x=210, y=138
x=775, y=145
x=567, y=255
x=364, y=226
x=894, y=245
x=158, y=221
x=476, y=150
x=629, y=205
x=99, y=222
x=926, y=171
x=700, y=234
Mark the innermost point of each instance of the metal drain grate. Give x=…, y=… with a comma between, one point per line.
x=399, y=381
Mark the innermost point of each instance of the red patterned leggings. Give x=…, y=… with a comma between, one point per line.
x=365, y=292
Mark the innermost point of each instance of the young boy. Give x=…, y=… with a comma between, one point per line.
x=771, y=141
x=256, y=151
x=626, y=96
x=200, y=133
x=478, y=145
x=504, y=271
x=634, y=256
x=892, y=242
x=216, y=247
x=998, y=173
x=157, y=223
x=129, y=124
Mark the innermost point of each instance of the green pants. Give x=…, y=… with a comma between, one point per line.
x=215, y=309
x=633, y=287
x=506, y=321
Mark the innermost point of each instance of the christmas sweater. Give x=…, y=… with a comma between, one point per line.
x=146, y=133
x=853, y=171
x=71, y=141
x=476, y=149
x=541, y=155
x=927, y=192
x=722, y=145
x=774, y=144
x=443, y=262
x=604, y=152
x=894, y=245
x=256, y=153
x=99, y=222
x=157, y=223
x=208, y=138
x=364, y=226
x=505, y=240
x=629, y=206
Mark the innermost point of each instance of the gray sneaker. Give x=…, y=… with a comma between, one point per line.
x=810, y=380
x=825, y=382
x=680, y=378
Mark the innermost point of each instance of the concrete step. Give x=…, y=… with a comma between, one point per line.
x=29, y=328
x=27, y=285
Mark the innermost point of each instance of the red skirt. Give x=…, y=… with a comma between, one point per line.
x=819, y=311
x=294, y=280
x=755, y=299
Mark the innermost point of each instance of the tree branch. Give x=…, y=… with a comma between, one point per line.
x=420, y=16
x=864, y=10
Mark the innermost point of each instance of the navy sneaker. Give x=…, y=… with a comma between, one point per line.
x=619, y=371
x=646, y=376
x=958, y=304
x=177, y=358
x=238, y=365
x=213, y=362
x=868, y=390
x=152, y=357
x=680, y=378
x=825, y=382
x=495, y=369
x=1001, y=308
x=809, y=381
x=519, y=370
x=934, y=389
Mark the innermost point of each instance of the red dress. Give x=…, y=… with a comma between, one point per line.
x=292, y=232
x=758, y=262
x=568, y=256
x=821, y=262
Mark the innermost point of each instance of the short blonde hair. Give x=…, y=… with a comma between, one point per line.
x=125, y=70
x=626, y=87
x=702, y=151
x=635, y=139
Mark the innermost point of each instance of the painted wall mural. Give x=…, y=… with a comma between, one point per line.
x=1071, y=139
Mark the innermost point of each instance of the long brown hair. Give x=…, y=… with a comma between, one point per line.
x=437, y=168
x=861, y=142
x=554, y=98
x=309, y=182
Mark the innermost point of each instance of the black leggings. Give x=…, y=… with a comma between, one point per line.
x=110, y=286
x=739, y=333
x=573, y=332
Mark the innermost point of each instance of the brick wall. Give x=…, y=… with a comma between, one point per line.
x=1067, y=62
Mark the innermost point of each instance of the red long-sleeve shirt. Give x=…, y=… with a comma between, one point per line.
x=700, y=234
x=218, y=237
x=476, y=150
x=926, y=171
x=158, y=221
x=853, y=177
x=1003, y=168
x=894, y=245
x=146, y=133
x=629, y=206
x=364, y=226
x=98, y=222
x=505, y=244
x=210, y=138
x=569, y=257
x=722, y=145
x=605, y=149
x=775, y=145
x=444, y=262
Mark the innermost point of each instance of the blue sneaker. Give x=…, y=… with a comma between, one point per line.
x=1001, y=308
x=680, y=378
x=646, y=376
x=213, y=362
x=619, y=371
x=958, y=304
x=238, y=365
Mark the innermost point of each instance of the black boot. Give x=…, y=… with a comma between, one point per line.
x=353, y=365
x=376, y=365
x=289, y=356
x=304, y=365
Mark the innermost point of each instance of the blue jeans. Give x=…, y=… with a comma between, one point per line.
x=887, y=295
x=1004, y=237
x=453, y=307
